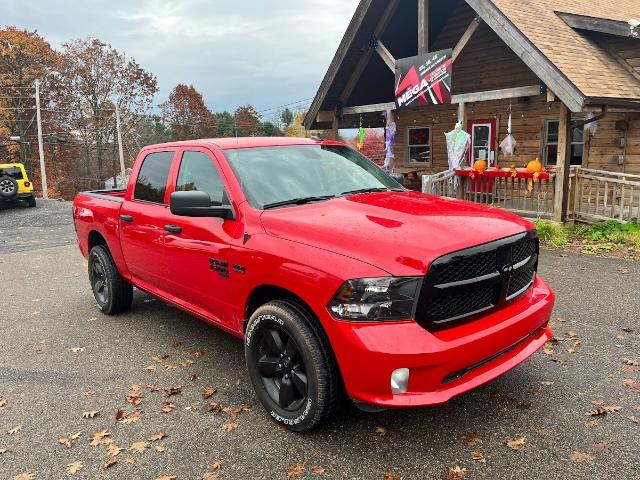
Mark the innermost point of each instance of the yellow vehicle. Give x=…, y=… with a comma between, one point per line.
x=15, y=185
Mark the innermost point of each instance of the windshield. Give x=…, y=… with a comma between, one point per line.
x=281, y=176
x=14, y=172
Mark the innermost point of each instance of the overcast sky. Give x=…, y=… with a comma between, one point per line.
x=263, y=52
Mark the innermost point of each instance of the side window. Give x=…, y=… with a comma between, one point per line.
x=152, y=179
x=198, y=173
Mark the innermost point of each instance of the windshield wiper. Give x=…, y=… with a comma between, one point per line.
x=298, y=201
x=370, y=190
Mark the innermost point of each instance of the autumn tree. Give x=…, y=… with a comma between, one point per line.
x=247, y=121
x=374, y=144
x=187, y=115
x=296, y=128
x=96, y=77
x=24, y=58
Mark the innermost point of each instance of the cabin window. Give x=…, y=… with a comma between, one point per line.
x=419, y=152
x=552, y=130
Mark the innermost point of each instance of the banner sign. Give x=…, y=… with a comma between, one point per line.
x=424, y=80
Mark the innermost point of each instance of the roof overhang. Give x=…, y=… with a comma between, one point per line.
x=600, y=25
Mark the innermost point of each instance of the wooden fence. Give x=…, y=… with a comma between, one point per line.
x=595, y=195
x=598, y=195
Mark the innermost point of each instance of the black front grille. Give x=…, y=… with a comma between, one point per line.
x=460, y=286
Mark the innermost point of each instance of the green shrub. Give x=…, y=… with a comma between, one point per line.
x=551, y=233
x=611, y=231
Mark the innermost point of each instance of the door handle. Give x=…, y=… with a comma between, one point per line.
x=126, y=218
x=173, y=229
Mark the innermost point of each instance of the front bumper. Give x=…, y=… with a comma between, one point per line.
x=442, y=364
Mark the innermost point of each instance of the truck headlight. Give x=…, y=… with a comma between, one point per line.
x=374, y=299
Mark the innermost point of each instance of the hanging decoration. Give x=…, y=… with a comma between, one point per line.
x=535, y=167
x=361, y=134
x=458, y=142
x=389, y=145
x=508, y=145
x=591, y=127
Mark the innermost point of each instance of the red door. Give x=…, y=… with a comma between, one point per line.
x=483, y=141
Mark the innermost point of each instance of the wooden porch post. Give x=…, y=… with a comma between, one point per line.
x=335, y=131
x=423, y=26
x=563, y=167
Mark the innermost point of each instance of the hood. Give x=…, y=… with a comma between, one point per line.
x=399, y=232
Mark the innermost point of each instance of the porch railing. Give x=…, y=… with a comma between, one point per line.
x=528, y=197
x=598, y=195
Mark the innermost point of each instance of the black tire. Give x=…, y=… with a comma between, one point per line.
x=31, y=201
x=278, y=380
x=112, y=293
x=8, y=187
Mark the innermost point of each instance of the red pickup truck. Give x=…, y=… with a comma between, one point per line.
x=336, y=277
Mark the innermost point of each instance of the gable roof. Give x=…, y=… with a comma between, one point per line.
x=576, y=67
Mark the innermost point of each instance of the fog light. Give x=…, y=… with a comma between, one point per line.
x=400, y=380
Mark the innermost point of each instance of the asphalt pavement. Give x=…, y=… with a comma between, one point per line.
x=60, y=358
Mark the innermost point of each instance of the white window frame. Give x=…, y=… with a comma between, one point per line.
x=409, y=145
x=546, y=143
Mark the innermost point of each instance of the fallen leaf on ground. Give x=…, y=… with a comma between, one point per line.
x=216, y=464
x=229, y=426
x=602, y=447
x=215, y=407
x=88, y=393
x=544, y=431
x=390, y=476
x=168, y=407
x=235, y=411
x=25, y=476
x=318, y=469
x=516, y=443
x=210, y=476
x=150, y=368
x=76, y=349
x=130, y=460
x=172, y=391
x=14, y=430
x=153, y=388
x=74, y=467
x=3, y=404
x=603, y=410
x=477, y=455
x=472, y=439
x=3, y=450
x=166, y=477
x=66, y=441
x=157, y=436
x=632, y=385
x=160, y=449
x=96, y=438
x=113, y=449
x=455, y=473
x=296, y=470
x=580, y=457
x=134, y=396
x=139, y=447
x=634, y=419
x=128, y=418
x=382, y=431
x=110, y=463
x=90, y=414
x=548, y=349
x=631, y=363
x=592, y=423
x=208, y=392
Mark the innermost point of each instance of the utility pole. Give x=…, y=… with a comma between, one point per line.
x=120, y=151
x=43, y=172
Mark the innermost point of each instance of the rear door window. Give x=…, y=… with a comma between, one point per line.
x=151, y=184
x=13, y=172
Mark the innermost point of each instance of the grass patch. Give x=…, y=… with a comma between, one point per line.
x=599, y=239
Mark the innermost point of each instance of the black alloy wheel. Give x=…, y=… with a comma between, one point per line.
x=99, y=283
x=291, y=365
x=282, y=368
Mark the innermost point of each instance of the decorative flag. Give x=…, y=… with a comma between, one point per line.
x=360, y=139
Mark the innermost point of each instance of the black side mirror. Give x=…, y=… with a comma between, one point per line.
x=198, y=204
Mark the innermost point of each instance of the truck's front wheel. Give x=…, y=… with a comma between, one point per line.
x=291, y=366
x=112, y=293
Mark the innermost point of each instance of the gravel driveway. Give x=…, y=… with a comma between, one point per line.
x=60, y=359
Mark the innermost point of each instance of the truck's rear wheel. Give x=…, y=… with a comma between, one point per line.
x=291, y=366
x=112, y=293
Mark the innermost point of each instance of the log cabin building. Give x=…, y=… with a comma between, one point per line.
x=554, y=64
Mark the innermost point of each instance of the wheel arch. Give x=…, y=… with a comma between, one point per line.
x=96, y=238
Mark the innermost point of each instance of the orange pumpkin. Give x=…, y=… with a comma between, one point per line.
x=480, y=166
x=534, y=166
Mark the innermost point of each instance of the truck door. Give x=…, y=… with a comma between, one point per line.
x=142, y=219
x=199, y=249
